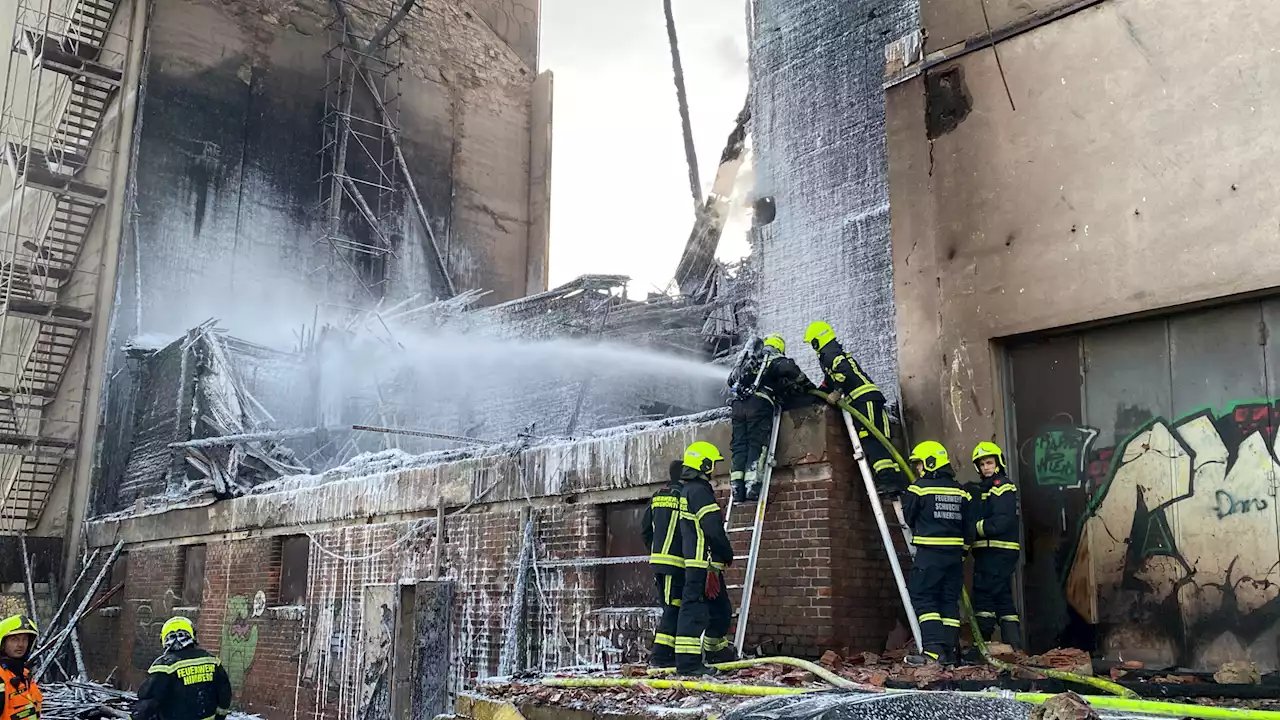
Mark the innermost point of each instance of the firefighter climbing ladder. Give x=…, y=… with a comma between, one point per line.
x=877, y=506
x=756, y=528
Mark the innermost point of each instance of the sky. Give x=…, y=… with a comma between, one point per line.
x=620, y=201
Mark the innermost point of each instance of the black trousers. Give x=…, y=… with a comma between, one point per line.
x=670, y=590
x=883, y=466
x=752, y=424
x=993, y=570
x=936, y=581
x=701, y=615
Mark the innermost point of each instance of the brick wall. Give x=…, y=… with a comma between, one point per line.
x=823, y=583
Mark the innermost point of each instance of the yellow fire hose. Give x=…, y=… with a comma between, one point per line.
x=1099, y=683
x=1100, y=702
x=816, y=669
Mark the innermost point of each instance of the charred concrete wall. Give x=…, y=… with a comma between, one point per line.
x=1132, y=179
x=823, y=580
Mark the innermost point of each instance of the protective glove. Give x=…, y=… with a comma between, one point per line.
x=834, y=397
x=713, y=587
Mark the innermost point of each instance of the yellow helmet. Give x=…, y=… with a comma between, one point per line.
x=776, y=342
x=931, y=454
x=175, y=624
x=819, y=334
x=17, y=625
x=702, y=456
x=988, y=449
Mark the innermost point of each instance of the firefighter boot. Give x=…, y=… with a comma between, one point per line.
x=952, y=656
x=1011, y=633
x=662, y=656
x=739, y=491
x=753, y=486
x=987, y=625
x=723, y=655
x=920, y=659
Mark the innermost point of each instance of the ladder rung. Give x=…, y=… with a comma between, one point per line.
x=733, y=587
x=741, y=557
x=748, y=528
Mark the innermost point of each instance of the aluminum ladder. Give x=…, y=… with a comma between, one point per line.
x=756, y=528
x=877, y=506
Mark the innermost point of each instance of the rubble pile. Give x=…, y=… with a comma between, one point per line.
x=76, y=699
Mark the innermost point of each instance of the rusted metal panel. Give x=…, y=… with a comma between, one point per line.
x=1045, y=394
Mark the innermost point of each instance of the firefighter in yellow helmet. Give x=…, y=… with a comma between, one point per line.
x=937, y=509
x=844, y=379
x=764, y=379
x=995, y=546
x=705, y=609
x=22, y=697
x=186, y=682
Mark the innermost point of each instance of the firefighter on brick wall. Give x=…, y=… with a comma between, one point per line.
x=995, y=547
x=763, y=379
x=844, y=379
x=661, y=527
x=705, y=609
x=22, y=697
x=937, y=510
x=186, y=682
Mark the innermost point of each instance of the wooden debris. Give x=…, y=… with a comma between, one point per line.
x=1238, y=672
x=1066, y=706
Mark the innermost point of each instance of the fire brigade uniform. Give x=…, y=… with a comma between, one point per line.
x=995, y=550
x=937, y=510
x=661, y=527
x=842, y=374
x=186, y=682
x=780, y=379
x=705, y=607
x=22, y=697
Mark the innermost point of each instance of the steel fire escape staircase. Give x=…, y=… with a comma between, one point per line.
x=35, y=285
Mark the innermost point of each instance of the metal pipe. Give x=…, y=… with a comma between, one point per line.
x=56, y=643
x=26, y=571
x=426, y=434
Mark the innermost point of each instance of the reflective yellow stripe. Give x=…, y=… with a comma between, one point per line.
x=717, y=565
x=951, y=622
x=667, y=502
x=985, y=614
x=706, y=510
x=763, y=396
x=1010, y=618
x=927, y=617
x=922, y=491
x=884, y=465
x=666, y=559
x=735, y=475
x=939, y=541
x=997, y=544
x=664, y=640
x=697, y=564
x=714, y=644
x=1002, y=489
x=980, y=530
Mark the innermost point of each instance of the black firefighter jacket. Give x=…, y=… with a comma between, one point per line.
x=189, y=684
x=841, y=372
x=939, y=513
x=661, y=529
x=704, y=542
x=997, y=516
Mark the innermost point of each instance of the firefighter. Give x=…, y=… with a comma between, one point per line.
x=844, y=379
x=771, y=380
x=661, y=526
x=995, y=547
x=937, y=509
x=186, y=682
x=705, y=608
x=22, y=697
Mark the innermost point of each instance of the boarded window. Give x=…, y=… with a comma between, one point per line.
x=193, y=574
x=629, y=584
x=295, y=559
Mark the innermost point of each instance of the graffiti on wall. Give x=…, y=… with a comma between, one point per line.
x=239, y=639
x=148, y=619
x=1180, y=545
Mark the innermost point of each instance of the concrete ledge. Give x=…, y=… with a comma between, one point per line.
x=608, y=468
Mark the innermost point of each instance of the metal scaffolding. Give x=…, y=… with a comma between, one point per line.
x=64, y=75
x=359, y=185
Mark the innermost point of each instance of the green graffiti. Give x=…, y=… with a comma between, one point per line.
x=239, y=639
x=1059, y=456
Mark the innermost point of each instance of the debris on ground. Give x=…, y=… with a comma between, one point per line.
x=77, y=699
x=1064, y=706
x=1238, y=672
x=1070, y=660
